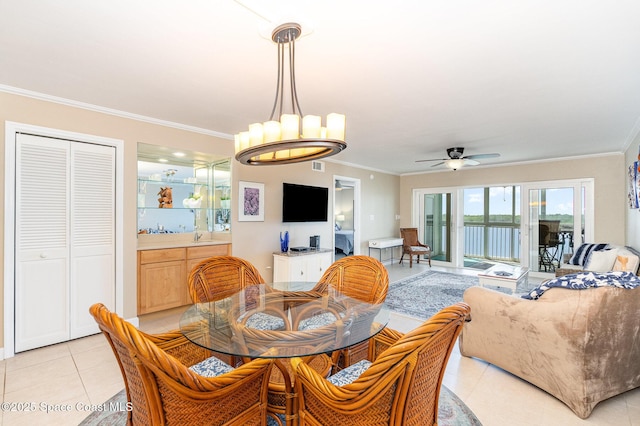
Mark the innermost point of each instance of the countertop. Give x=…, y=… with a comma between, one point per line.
x=165, y=241
x=301, y=253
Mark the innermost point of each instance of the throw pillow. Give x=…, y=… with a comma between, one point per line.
x=626, y=262
x=581, y=255
x=601, y=261
x=621, y=263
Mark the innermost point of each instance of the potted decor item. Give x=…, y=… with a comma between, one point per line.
x=225, y=201
x=193, y=202
x=284, y=242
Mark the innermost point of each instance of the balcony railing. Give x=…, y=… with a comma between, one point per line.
x=492, y=242
x=496, y=242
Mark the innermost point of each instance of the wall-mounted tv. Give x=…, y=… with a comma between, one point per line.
x=302, y=203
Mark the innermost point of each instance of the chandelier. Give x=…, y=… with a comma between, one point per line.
x=282, y=142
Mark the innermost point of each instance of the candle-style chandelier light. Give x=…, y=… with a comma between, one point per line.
x=283, y=142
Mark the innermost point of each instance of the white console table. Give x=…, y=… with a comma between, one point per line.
x=384, y=243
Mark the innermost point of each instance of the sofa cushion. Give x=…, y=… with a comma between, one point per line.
x=601, y=261
x=581, y=255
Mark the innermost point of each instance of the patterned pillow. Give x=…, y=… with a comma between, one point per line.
x=581, y=256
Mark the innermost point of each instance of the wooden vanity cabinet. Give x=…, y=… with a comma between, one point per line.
x=163, y=273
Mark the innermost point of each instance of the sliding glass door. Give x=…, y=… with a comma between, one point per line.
x=556, y=222
x=534, y=224
x=434, y=210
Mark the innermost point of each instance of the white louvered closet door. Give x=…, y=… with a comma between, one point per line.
x=92, y=234
x=60, y=271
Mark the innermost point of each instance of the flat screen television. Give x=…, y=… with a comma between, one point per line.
x=302, y=203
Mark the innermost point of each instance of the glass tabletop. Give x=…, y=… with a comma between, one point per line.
x=282, y=320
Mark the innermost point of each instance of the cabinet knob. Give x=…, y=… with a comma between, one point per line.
x=301, y=272
x=43, y=255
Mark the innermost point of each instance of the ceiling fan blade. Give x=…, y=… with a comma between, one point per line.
x=468, y=162
x=432, y=159
x=476, y=156
x=438, y=164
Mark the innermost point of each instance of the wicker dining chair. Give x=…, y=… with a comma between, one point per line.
x=400, y=387
x=412, y=246
x=221, y=276
x=360, y=277
x=163, y=390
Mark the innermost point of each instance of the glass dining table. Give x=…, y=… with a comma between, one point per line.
x=281, y=321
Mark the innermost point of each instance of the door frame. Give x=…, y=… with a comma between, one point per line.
x=11, y=129
x=528, y=230
x=456, y=228
x=356, y=212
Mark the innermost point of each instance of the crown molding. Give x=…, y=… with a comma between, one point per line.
x=110, y=111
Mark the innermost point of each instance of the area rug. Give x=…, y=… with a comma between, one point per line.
x=451, y=412
x=424, y=295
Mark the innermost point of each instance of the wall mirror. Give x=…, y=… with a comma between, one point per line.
x=182, y=191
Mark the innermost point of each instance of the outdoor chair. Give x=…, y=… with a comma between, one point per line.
x=360, y=277
x=400, y=385
x=551, y=245
x=412, y=246
x=171, y=381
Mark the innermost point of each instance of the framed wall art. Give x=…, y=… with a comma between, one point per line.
x=250, y=202
x=633, y=176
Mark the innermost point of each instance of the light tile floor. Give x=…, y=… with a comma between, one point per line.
x=60, y=383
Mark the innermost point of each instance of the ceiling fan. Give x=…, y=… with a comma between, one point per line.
x=457, y=160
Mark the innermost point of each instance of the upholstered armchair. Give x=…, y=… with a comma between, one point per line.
x=412, y=246
x=581, y=346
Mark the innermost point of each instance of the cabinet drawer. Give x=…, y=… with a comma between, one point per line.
x=164, y=255
x=207, y=251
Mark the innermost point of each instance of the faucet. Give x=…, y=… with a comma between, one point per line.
x=196, y=236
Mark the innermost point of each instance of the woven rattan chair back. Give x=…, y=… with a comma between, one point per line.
x=162, y=389
x=412, y=246
x=401, y=387
x=221, y=276
x=360, y=277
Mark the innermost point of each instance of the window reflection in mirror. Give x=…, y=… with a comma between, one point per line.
x=181, y=191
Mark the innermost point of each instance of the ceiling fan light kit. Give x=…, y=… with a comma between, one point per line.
x=454, y=164
x=281, y=142
x=457, y=159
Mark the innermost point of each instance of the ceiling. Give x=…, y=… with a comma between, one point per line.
x=531, y=80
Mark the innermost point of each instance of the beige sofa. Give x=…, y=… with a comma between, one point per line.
x=581, y=346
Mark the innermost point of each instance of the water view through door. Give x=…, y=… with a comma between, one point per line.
x=435, y=224
x=534, y=225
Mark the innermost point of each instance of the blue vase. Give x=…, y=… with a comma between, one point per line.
x=284, y=242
